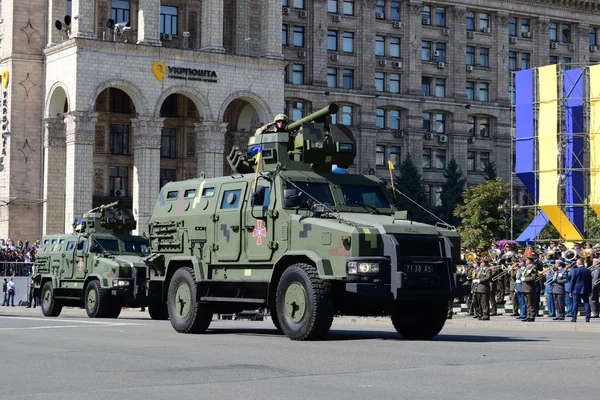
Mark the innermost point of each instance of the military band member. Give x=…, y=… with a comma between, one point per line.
x=472, y=305
x=528, y=278
x=482, y=290
x=493, y=288
x=520, y=304
x=549, y=277
x=558, y=289
x=513, y=292
x=594, y=297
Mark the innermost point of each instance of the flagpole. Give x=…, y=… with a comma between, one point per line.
x=391, y=167
x=257, y=168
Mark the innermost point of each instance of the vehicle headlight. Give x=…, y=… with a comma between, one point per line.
x=362, y=267
x=120, y=283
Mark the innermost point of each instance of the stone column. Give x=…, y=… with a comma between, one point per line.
x=83, y=18
x=241, y=30
x=149, y=23
x=210, y=148
x=271, y=29
x=54, y=176
x=146, y=168
x=366, y=141
x=364, y=48
x=412, y=68
x=79, y=180
x=541, y=37
x=499, y=59
x=212, y=26
x=582, y=43
x=458, y=53
x=56, y=11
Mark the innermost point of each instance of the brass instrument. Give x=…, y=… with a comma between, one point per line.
x=549, y=253
x=543, y=273
x=461, y=270
x=570, y=255
x=470, y=256
x=494, y=253
x=508, y=254
x=586, y=253
x=504, y=272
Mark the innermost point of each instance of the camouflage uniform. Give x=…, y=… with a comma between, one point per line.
x=272, y=127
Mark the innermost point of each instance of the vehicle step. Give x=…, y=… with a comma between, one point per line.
x=232, y=300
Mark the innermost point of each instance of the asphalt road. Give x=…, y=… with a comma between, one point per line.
x=133, y=357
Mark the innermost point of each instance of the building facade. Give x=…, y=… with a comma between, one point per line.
x=123, y=96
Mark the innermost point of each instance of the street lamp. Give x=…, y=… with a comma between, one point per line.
x=506, y=211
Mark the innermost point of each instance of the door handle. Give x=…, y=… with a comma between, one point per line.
x=249, y=227
x=235, y=228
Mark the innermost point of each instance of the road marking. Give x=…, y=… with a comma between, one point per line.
x=64, y=326
x=73, y=321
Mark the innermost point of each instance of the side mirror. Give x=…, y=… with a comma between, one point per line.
x=291, y=198
x=258, y=197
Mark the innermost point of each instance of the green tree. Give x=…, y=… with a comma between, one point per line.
x=410, y=183
x=482, y=219
x=452, y=192
x=490, y=171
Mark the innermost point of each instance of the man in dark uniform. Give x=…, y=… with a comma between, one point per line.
x=594, y=298
x=581, y=288
x=558, y=289
x=482, y=290
x=493, y=288
x=528, y=288
x=471, y=301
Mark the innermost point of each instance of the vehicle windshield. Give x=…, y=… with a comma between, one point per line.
x=371, y=195
x=111, y=245
x=311, y=191
x=136, y=246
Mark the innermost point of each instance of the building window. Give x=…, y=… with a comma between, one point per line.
x=69, y=8
x=168, y=141
x=434, y=122
x=394, y=119
x=298, y=74
x=118, y=181
x=298, y=36
x=565, y=33
x=332, y=40
x=168, y=20
x=484, y=57
x=479, y=126
x=511, y=94
x=484, y=22
x=440, y=159
x=470, y=21
x=426, y=15
x=394, y=47
x=525, y=26
x=395, y=154
x=119, y=11
x=379, y=45
x=470, y=55
x=440, y=87
x=395, y=11
x=426, y=51
x=295, y=109
x=470, y=161
x=348, y=7
x=438, y=196
x=380, y=8
x=427, y=190
x=441, y=51
x=380, y=155
x=394, y=83
x=284, y=35
x=348, y=42
x=470, y=90
x=119, y=139
x=119, y=102
x=512, y=26
x=332, y=6
x=380, y=118
x=299, y=4
x=593, y=36
x=512, y=60
x=553, y=32
x=166, y=176
x=566, y=61
x=484, y=160
x=332, y=77
x=440, y=16
x=379, y=81
x=553, y=60
x=525, y=60
x=347, y=115
x=426, y=85
x=348, y=79
x=484, y=91
x=426, y=158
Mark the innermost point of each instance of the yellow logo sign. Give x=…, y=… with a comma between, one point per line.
x=5, y=78
x=159, y=68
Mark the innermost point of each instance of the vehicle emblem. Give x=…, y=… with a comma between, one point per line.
x=80, y=264
x=259, y=232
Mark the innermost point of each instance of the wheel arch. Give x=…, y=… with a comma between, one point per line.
x=176, y=263
x=103, y=284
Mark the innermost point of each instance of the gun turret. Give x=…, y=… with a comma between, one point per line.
x=108, y=218
x=105, y=206
x=317, y=116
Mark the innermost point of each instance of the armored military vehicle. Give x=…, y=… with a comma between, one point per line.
x=285, y=233
x=100, y=267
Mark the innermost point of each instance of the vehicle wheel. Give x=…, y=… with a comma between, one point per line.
x=185, y=313
x=96, y=301
x=420, y=322
x=275, y=319
x=303, y=305
x=50, y=306
x=158, y=311
x=114, y=308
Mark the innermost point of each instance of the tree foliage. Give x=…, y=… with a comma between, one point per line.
x=410, y=183
x=490, y=171
x=452, y=193
x=482, y=220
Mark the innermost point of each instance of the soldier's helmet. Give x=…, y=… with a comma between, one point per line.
x=281, y=117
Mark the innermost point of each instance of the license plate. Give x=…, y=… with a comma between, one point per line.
x=419, y=268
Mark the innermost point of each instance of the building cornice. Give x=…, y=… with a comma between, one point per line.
x=580, y=6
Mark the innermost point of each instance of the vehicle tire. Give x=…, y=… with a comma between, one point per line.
x=303, y=303
x=114, y=308
x=185, y=313
x=275, y=319
x=50, y=306
x=96, y=300
x=158, y=311
x=422, y=321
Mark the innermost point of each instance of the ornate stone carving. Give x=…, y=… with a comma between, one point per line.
x=147, y=132
x=100, y=139
x=543, y=24
x=415, y=8
x=502, y=19
x=584, y=30
x=210, y=137
x=80, y=128
x=54, y=134
x=460, y=13
x=190, y=144
x=98, y=181
x=370, y=3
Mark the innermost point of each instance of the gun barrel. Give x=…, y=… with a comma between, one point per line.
x=105, y=206
x=332, y=108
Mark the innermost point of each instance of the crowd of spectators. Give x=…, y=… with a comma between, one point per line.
x=14, y=255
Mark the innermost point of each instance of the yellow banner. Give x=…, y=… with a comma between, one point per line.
x=594, y=138
x=548, y=153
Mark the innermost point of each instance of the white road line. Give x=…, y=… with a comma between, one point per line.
x=104, y=323
x=63, y=326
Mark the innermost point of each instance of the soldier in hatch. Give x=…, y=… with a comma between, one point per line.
x=279, y=124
